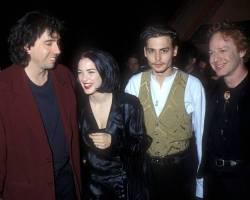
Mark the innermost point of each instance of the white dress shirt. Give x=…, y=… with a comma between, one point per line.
x=194, y=101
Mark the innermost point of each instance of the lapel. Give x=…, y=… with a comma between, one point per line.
x=115, y=119
x=24, y=103
x=113, y=116
x=63, y=95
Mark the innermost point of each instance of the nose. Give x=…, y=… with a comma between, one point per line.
x=56, y=49
x=82, y=77
x=214, y=58
x=157, y=56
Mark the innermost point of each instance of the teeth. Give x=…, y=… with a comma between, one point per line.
x=219, y=66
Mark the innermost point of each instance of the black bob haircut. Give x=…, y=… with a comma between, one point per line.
x=107, y=67
x=27, y=30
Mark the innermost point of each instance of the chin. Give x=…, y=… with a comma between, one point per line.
x=220, y=73
x=51, y=66
x=160, y=71
x=88, y=92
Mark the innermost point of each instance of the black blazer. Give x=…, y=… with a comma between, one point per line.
x=244, y=126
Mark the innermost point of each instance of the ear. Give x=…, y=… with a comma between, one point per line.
x=193, y=61
x=175, y=51
x=145, y=52
x=27, y=48
x=242, y=53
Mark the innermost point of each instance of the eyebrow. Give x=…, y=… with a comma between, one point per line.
x=91, y=69
x=159, y=49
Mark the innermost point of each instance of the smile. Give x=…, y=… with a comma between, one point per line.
x=87, y=85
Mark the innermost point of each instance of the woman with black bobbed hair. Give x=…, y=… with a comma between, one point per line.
x=112, y=130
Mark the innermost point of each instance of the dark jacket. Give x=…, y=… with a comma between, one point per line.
x=26, y=166
x=125, y=156
x=243, y=113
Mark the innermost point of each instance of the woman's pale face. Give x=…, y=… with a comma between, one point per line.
x=88, y=76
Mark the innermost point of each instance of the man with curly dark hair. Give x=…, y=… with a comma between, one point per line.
x=39, y=143
x=226, y=158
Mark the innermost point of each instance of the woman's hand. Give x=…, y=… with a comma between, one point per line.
x=101, y=140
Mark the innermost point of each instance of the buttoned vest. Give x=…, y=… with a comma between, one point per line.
x=171, y=131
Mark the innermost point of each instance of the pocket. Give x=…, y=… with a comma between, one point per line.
x=17, y=190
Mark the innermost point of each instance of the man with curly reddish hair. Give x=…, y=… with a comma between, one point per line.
x=227, y=149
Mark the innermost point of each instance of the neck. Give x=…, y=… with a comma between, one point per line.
x=100, y=98
x=37, y=75
x=236, y=77
x=161, y=76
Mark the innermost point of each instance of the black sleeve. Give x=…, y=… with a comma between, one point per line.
x=135, y=132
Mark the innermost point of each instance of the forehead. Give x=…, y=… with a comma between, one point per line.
x=220, y=40
x=86, y=63
x=47, y=35
x=132, y=59
x=159, y=42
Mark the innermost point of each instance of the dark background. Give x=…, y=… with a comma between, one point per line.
x=114, y=27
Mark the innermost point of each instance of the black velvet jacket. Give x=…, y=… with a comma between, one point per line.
x=124, y=158
x=241, y=148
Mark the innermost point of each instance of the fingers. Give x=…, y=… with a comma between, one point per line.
x=101, y=145
x=99, y=137
x=101, y=140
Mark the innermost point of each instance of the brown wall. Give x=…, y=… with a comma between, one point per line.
x=194, y=13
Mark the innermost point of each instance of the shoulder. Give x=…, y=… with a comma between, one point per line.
x=63, y=74
x=194, y=89
x=9, y=75
x=10, y=71
x=194, y=81
x=62, y=69
x=129, y=100
x=136, y=78
x=133, y=84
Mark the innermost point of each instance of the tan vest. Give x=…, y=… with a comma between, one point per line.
x=172, y=130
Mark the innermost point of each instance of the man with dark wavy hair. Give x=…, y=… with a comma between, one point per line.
x=39, y=144
x=227, y=163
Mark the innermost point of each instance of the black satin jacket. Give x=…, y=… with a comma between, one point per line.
x=124, y=158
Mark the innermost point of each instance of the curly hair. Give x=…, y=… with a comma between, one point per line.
x=26, y=31
x=229, y=29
